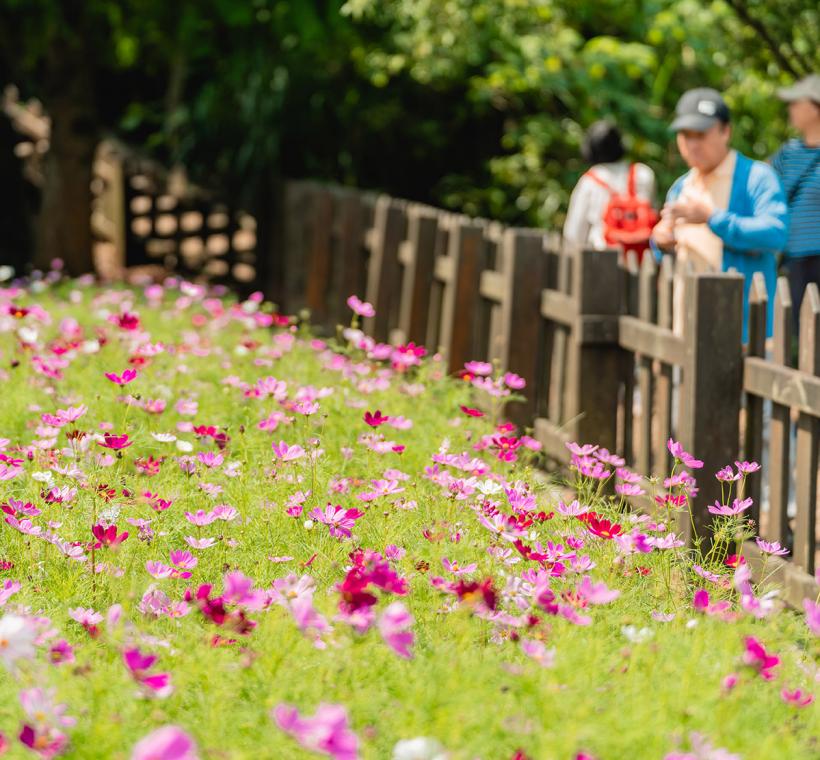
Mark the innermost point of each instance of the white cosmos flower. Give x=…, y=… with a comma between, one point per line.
x=16, y=639
x=420, y=748
x=489, y=487
x=43, y=477
x=185, y=446
x=164, y=437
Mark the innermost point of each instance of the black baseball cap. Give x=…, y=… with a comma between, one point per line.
x=700, y=109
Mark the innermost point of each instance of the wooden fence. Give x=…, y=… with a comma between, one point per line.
x=593, y=336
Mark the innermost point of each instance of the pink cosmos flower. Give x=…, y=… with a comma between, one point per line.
x=596, y=593
x=746, y=468
x=8, y=590
x=287, y=453
x=812, y=616
x=394, y=626
x=337, y=518
x=327, y=732
x=166, y=743
x=138, y=664
x=796, y=697
x=361, y=308
x=61, y=652
x=573, y=509
x=513, y=381
x=47, y=741
x=200, y=518
x=737, y=507
x=702, y=603
x=538, y=651
x=199, y=543
x=126, y=377
x=238, y=589
x=773, y=548
x=24, y=526
x=456, y=569
x=87, y=618
x=677, y=451
x=756, y=656
x=478, y=368
x=728, y=475
x=581, y=451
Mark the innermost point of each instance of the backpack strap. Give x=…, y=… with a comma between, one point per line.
x=595, y=178
x=630, y=181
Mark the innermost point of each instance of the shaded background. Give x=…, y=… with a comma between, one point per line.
x=476, y=105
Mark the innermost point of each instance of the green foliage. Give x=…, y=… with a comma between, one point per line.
x=472, y=104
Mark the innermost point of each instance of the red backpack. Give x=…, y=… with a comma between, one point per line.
x=628, y=219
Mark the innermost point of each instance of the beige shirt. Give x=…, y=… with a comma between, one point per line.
x=696, y=242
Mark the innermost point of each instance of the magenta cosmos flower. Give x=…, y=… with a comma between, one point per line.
x=115, y=442
x=126, y=377
x=166, y=743
x=327, y=732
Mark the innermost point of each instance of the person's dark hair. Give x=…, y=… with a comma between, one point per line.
x=602, y=143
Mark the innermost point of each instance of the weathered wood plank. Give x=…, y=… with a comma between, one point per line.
x=753, y=434
x=320, y=256
x=777, y=526
x=651, y=340
x=592, y=370
x=461, y=294
x=784, y=385
x=523, y=277
x=417, y=280
x=383, y=271
x=711, y=379
x=661, y=460
x=807, y=429
x=647, y=312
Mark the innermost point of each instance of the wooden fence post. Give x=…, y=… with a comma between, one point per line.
x=460, y=304
x=422, y=228
x=712, y=383
x=807, y=445
x=320, y=256
x=349, y=256
x=524, y=271
x=777, y=528
x=594, y=359
x=383, y=271
x=753, y=434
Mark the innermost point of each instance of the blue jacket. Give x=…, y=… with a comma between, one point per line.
x=753, y=228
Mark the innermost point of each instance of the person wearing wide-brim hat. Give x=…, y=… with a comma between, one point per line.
x=798, y=165
x=728, y=211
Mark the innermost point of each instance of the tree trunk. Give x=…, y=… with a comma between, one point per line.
x=64, y=224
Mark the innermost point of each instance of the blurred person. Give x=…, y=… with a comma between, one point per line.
x=611, y=206
x=728, y=211
x=798, y=165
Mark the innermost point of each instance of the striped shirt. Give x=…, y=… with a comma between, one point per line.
x=791, y=162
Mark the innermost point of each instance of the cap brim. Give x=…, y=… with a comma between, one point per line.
x=695, y=122
x=792, y=93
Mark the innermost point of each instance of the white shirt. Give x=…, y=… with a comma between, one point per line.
x=584, y=225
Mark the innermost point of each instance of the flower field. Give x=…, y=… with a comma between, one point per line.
x=224, y=538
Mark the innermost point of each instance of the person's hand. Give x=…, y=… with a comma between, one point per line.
x=692, y=210
x=664, y=233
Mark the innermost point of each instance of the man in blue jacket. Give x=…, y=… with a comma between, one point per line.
x=728, y=211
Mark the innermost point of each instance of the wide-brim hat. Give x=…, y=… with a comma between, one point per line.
x=807, y=88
